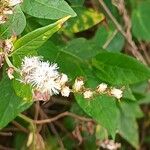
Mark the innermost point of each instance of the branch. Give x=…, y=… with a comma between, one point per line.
x=134, y=51
x=60, y=116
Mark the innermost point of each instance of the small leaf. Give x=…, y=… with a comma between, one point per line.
x=15, y=24
x=48, y=9
x=119, y=69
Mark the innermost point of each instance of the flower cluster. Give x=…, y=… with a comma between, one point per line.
x=44, y=77
x=6, y=8
x=101, y=89
x=46, y=81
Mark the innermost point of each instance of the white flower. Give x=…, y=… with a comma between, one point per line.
x=65, y=91
x=43, y=76
x=116, y=93
x=88, y=94
x=102, y=87
x=29, y=64
x=78, y=85
x=13, y=2
x=63, y=79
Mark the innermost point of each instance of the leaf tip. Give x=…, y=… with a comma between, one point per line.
x=63, y=20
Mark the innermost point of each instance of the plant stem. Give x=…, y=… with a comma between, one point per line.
x=10, y=64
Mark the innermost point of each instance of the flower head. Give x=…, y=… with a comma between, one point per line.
x=78, y=85
x=43, y=76
x=116, y=93
x=88, y=94
x=65, y=91
x=102, y=87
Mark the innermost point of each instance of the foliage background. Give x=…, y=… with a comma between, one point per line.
x=95, y=43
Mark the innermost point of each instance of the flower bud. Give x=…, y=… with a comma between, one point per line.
x=116, y=93
x=101, y=88
x=65, y=91
x=88, y=94
x=78, y=85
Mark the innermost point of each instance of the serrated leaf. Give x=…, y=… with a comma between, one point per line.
x=10, y=104
x=86, y=18
x=119, y=69
x=103, y=109
x=140, y=23
x=48, y=9
x=15, y=24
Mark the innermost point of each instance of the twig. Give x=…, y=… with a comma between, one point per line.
x=20, y=127
x=110, y=39
x=134, y=49
x=57, y=136
x=6, y=134
x=37, y=105
x=60, y=116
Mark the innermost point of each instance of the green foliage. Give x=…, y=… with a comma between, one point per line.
x=31, y=41
x=15, y=24
x=48, y=9
x=10, y=104
x=103, y=109
x=123, y=70
x=104, y=35
x=140, y=17
x=86, y=18
x=87, y=45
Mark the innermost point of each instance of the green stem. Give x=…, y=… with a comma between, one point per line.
x=10, y=64
x=32, y=125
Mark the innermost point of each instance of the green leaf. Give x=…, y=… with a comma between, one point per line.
x=86, y=18
x=10, y=104
x=23, y=90
x=119, y=69
x=103, y=109
x=109, y=38
x=128, y=127
x=15, y=24
x=68, y=63
x=48, y=9
x=35, y=39
x=140, y=23
x=82, y=48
